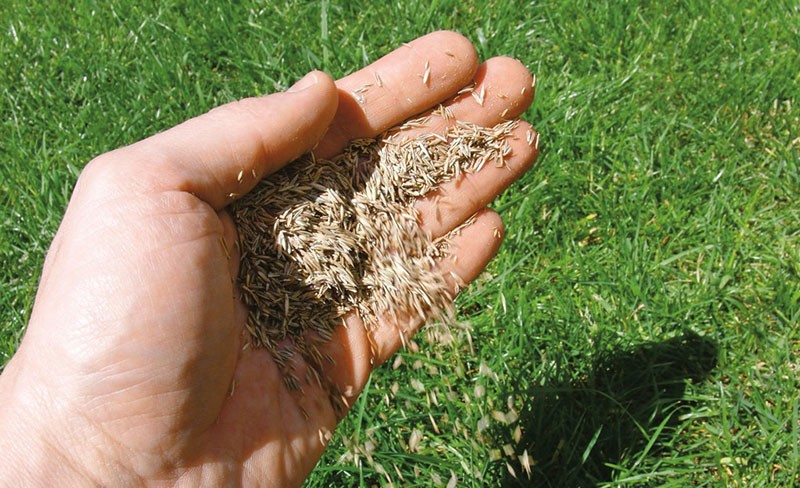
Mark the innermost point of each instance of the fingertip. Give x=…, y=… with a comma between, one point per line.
x=306, y=82
x=493, y=219
x=516, y=73
x=316, y=83
x=316, y=89
x=489, y=230
x=524, y=144
x=460, y=58
x=509, y=90
x=458, y=47
x=523, y=78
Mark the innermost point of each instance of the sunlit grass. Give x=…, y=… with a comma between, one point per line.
x=640, y=324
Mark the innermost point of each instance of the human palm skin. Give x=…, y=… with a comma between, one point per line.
x=135, y=367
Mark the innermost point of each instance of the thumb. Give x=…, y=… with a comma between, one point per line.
x=225, y=152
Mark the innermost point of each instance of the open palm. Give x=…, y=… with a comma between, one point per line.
x=135, y=368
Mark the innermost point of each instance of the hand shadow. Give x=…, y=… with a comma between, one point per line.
x=573, y=431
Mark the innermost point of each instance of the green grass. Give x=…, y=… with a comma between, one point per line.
x=641, y=319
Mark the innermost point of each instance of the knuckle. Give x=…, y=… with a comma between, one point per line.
x=100, y=171
x=117, y=170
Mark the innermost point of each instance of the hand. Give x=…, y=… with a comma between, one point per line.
x=133, y=371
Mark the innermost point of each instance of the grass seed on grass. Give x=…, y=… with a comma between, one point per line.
x=323, y=237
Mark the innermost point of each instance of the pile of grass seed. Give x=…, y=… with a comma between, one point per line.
x=321, y=238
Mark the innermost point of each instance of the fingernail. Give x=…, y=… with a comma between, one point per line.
x=307, y=81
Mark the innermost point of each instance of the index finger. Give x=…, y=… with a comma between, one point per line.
x=409, y=80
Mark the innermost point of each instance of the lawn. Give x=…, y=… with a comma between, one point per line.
x=640, y=325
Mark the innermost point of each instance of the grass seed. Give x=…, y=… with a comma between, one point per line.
x=325, y=237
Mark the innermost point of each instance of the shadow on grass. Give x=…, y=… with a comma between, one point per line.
x=574, y=431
